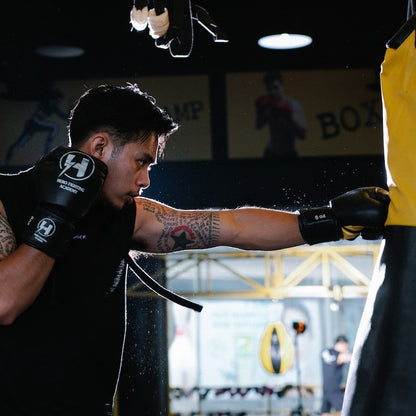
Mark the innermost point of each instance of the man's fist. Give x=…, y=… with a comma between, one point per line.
x=67, y=182
x=362, y=210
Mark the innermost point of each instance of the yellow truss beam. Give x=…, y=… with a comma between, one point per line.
x=284, y=271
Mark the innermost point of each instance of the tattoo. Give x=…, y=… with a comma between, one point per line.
x=7, y=239
x=184, y=230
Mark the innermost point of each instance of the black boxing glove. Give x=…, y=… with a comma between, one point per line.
x=362, y=210
x=67, y=182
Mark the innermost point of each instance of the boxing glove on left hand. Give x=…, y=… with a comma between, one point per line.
x=67, y=182
x=362, y=210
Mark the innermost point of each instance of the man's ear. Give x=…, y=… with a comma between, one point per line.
x=98, y=145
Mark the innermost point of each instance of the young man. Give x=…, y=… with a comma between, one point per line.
x=284, y=117
x=333, y=360
x=66, y=227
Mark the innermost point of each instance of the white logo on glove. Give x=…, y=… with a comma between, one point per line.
x=45, y=228
x=76, y=166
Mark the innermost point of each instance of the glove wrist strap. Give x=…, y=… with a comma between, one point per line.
x=318, y=225
x=49, y=232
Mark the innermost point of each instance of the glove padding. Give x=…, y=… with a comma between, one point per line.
x=67, y=182
x=360, y=211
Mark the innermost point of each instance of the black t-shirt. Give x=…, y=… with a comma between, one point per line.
x=63, y=353
x=332, y=372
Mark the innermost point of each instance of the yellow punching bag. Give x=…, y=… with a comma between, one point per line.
x=382, y=375
x=398, y=81
x=276, y=350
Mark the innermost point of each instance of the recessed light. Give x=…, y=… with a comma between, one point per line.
x=60, y=51
x=284, y=41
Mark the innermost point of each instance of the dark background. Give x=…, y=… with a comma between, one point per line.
x=349, y=34
x=346, y=34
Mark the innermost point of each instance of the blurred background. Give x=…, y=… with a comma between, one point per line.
x=227, y=153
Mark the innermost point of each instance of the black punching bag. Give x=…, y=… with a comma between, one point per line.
x=382, y=376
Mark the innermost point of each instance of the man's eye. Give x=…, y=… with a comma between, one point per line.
x=144, y=164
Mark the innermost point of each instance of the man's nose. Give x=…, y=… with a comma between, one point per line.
x=143, y=181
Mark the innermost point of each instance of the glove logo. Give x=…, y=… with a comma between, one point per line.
x=45, y=228
x=76, y=166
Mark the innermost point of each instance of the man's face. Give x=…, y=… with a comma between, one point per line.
x=341, y=346
x=128, y=171
x=276, y=88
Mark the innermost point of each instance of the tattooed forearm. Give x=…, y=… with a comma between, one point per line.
x=185, y=229
x=7, y=239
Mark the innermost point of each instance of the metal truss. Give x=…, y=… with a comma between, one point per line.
x=321, y=271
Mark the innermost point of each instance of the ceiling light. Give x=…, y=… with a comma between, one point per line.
x=284, y=41
x=60, y=51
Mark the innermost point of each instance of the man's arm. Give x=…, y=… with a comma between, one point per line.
x=343, y=358
x=7, y=238
x=162, y=229
x=49, y=230
x=23, y=272
x=298, y=119
x=262, y=108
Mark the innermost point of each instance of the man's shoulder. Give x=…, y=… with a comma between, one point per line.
x=329, y=355
x=11, y=180
x=295, y=103
x=16, y=186
x=18, y=175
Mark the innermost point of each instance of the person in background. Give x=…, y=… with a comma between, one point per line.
x=283, y=115
x=39, y=122
x=333, y=360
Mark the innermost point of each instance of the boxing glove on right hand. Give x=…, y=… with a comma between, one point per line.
x=362, y=210
x=67, y=182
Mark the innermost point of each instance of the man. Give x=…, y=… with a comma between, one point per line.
x=284, y=117
x=333, y=360
x=66, y=227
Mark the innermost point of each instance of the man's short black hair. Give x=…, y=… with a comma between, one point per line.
x=271, y=76
x=125, y=112
x=341, y=338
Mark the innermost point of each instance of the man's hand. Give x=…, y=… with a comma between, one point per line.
x=360, y=211
x=67, y=182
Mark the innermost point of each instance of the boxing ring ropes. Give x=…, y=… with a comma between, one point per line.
x=284, y=274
